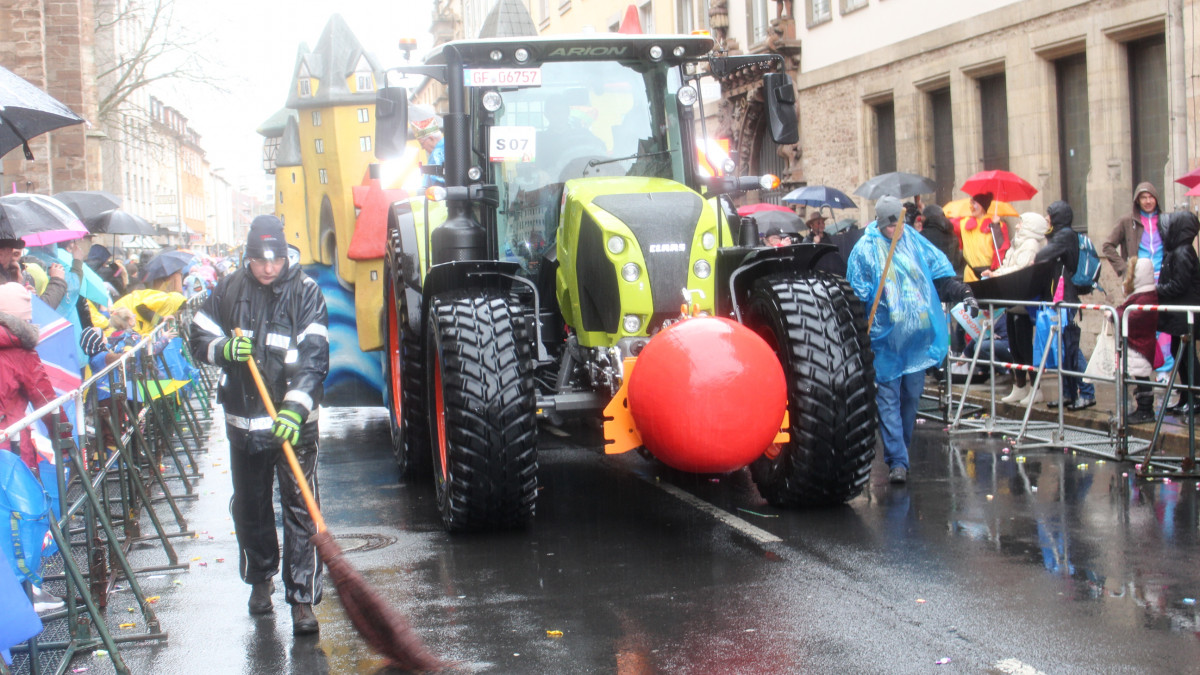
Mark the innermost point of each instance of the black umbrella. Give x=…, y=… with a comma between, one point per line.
x=26, y=112
x=165, y=264
x=784, y=221
x=897, y=184
x=819, y=195
x=117, y=221
x=89, y=203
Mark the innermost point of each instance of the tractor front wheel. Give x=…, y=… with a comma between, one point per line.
x=483, y=410
x=815, y=324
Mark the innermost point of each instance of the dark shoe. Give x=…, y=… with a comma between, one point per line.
x=1081, y=404
x=1053, y=405
x=1180, y=408
x=260, y=597
x=898, y=475
x=304, y=622
x=1140, y=416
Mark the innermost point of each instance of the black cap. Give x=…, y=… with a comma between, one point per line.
x=266, y=239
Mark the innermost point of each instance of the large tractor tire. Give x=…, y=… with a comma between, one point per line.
x=404, y=380
x=817, y=326
x=483, y=410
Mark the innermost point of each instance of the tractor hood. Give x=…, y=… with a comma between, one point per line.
x=628, y=247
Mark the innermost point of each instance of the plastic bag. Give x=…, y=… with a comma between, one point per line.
x=1042, y=333
x=25, y=509
x=1103, y=364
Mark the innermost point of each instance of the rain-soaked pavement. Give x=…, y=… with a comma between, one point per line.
x=984, y=563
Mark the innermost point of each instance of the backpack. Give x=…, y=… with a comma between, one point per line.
x=1087, y=272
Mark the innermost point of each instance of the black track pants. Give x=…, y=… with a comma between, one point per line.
x=255, y=464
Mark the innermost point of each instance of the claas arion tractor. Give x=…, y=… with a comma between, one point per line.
x=572, y=259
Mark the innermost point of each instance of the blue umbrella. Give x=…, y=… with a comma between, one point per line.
x=819, y=195
x=165, y=264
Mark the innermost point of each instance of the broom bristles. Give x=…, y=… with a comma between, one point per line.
x=385, y=630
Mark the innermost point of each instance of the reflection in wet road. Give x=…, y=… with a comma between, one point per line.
x=999, y=563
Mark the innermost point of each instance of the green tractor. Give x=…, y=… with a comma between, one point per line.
x=569, y=230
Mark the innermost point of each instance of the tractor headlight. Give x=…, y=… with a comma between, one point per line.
x=678, y=51
x=616, y=244
x=496, y=55
x=656, y=52
x=702, y=269
x=492, y=101
x=632, y=323
x=631, y=272
x=687, y=96
x=708, y=240
x=522, y=55
x=474, y=173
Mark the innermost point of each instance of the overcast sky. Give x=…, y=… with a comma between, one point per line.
x=252, y=44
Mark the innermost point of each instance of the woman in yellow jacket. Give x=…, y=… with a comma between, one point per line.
x=150, y=307
x=984, y=238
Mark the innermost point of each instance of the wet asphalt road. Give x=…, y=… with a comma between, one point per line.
x=1054, y=564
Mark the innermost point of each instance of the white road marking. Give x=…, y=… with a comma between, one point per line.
x=757, y=534
x=1015, y=667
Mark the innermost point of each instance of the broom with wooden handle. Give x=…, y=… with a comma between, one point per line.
x=384, y=629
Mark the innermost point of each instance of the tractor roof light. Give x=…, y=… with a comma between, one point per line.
x=679, y=51
x=687, y=96
x=492, y=101
x=474, y=173
x=435, y=193
x=708, y=240
x=521, y=55
x=656, y=53
x=702, y=269
x=631, y=272
x=496, y=55
x=632, y=323
x=769, y=182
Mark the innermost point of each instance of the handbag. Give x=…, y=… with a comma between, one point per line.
x=1041, y=334
x=1103, y=363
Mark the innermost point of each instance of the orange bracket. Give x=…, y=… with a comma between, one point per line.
x=620, y=431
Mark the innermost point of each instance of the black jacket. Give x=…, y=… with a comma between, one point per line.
x=289, y=325
x=1179, y=278
x=940, y=232
x=1062, y=246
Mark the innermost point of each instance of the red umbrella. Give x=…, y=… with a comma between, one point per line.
x=1190, y=179
x=761, y=206
x=1194, y=192
x=1004, y=185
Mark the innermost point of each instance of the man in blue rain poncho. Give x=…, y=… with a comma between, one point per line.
x=908, y=333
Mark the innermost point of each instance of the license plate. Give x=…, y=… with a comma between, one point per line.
x=503, y=77
x=509, y=144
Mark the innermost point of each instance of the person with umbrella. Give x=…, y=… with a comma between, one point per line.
x=11, y=269
x=816, y=229
x=903, y=279
x=286, y=324
x=984, y=238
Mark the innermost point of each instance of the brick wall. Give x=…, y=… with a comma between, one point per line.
x=50, y=44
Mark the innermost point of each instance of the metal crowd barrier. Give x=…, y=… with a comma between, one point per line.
x=1026, y=434
x=106, y=490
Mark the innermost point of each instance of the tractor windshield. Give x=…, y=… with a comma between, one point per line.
x=588, y=118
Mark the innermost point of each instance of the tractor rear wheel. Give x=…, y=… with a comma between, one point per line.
x=403, y=369
x=816, y=325
x=483, y=410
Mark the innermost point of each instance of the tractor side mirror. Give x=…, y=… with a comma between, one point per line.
x=781, y=108
x=391, y=122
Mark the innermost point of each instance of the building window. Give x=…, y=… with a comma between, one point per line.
x=646, y=15
x=305, y=88
x=885, y=137
x=365, y=83
x=757, y=19
x=364, y=143
x=851, y=5
x=281, y=196
x=1074, y=139
x=364, y=115
x=323, y=176
x=1148, y=113
x=316, y=118
x=818, y=12
x=293, y=178
x=320, y=143
x=683, y=17
x=544, y=10
x=993, y=107
x=943, y=144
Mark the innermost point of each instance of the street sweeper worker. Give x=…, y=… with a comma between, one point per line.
x=282, y=315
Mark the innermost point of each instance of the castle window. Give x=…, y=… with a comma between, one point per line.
x=364, y=143
x=364, y=115
x=305, y=88
x=316, y=118
x=320, y=143
x=365, y=82
x=323, y=176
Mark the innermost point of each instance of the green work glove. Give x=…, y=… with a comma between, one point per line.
x=287, y=426
x=238, y=348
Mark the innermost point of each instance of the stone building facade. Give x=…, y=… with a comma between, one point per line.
x=50, y=44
